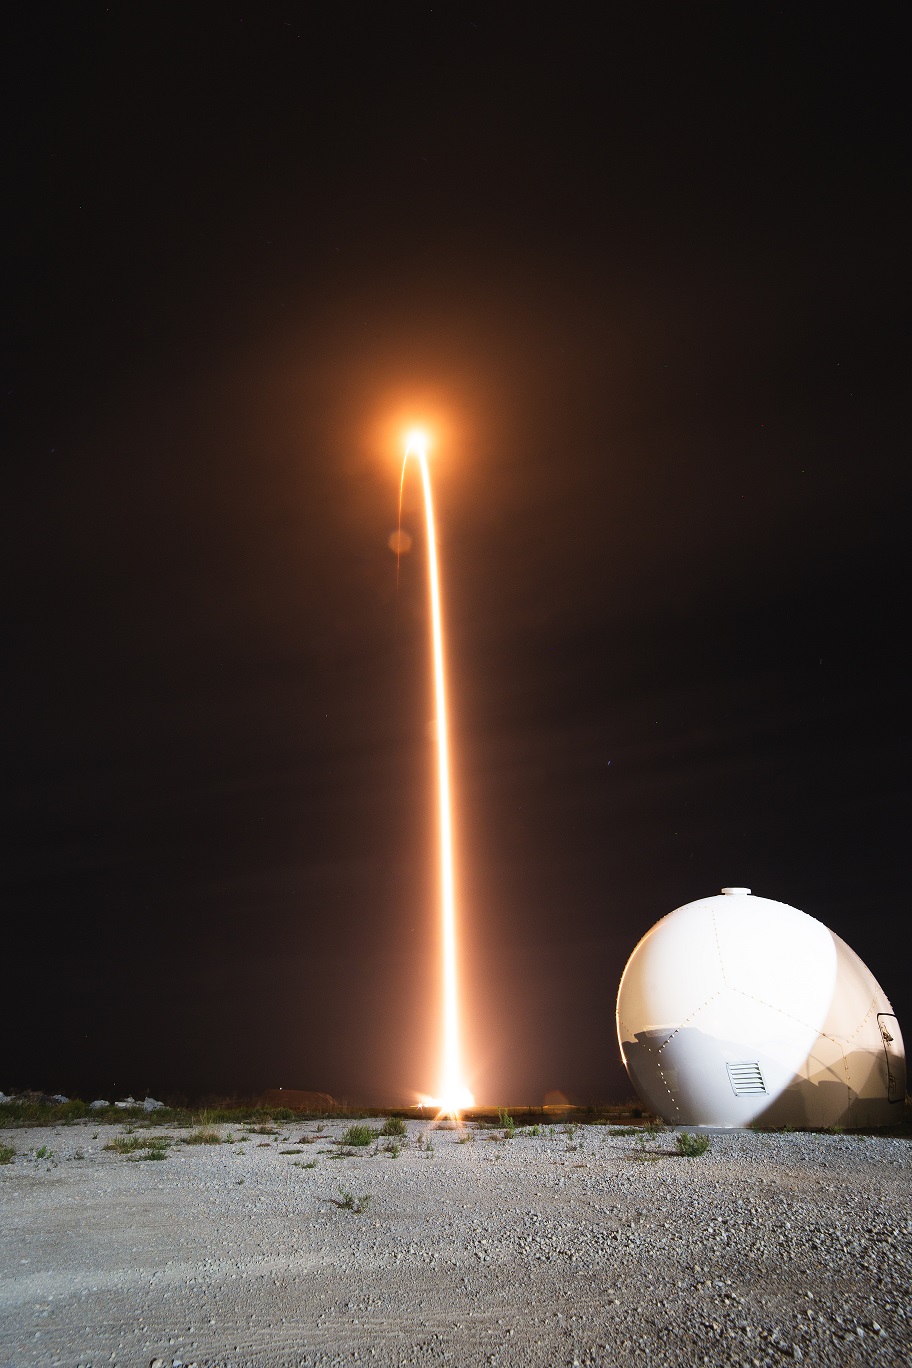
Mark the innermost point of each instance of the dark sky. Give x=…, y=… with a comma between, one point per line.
x=645, y=270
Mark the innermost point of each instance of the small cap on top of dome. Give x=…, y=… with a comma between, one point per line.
x=736, y=892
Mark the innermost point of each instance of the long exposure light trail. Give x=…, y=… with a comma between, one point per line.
x=453, y=1094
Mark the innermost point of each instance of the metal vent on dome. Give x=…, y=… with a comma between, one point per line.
x=746, y=1079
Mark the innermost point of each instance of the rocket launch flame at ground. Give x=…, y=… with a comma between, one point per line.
x=453, y=1094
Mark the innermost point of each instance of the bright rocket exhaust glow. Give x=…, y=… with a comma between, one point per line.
x=453, y=1094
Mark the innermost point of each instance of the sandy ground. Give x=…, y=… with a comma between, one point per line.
x=556, y=1249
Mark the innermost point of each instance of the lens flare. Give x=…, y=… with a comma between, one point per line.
x=453, y=1094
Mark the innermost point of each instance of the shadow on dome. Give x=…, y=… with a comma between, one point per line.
x=689, y=1077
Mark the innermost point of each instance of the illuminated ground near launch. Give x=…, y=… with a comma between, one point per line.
x=453, y=1094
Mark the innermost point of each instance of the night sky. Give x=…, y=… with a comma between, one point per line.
x=644, y=271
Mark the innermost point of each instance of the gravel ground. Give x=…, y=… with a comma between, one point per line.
x=555, y=1249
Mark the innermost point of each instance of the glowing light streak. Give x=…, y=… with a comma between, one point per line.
x=454, y=1095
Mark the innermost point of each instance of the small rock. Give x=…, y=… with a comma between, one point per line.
x=98, y=1104
x=150, y=1104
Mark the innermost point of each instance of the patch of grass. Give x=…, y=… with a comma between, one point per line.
x=140, y=1147
x=357, y=1136
x=7, y=1154
x=306, y=1140
x=692, y=1145
x=204, y=1136
x=31, y=1110
x=467, y=1138
x=570, y=1129
x=623, y=1130
x=393, y=1125
x=126, y=1144
x=312, y=1164
x=25, y=1112
x=214, y=1116
x=425, y=1142
x=263, y=1130
x=44, y=1152
x=644, y=1154
x=392, y=1148
x=349, y=1202
x=505, y=1120
x=74, y=1110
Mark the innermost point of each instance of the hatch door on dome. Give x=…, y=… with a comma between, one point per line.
x=746, y=1078
x=896, y=1064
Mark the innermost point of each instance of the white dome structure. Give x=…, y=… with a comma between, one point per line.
x=735, y=1009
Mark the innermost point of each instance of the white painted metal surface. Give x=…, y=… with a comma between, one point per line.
x=736, y=1009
